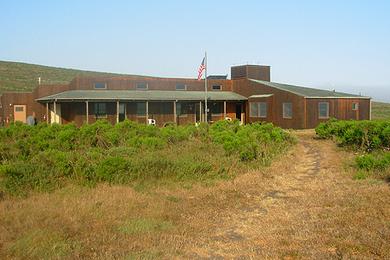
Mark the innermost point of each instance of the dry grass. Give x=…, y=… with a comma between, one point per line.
x=306, y=205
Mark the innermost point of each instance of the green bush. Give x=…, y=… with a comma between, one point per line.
x=46, y=157
x=369, y=137
x=363, y=135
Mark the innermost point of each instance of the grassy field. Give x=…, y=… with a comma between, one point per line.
x=380, y=110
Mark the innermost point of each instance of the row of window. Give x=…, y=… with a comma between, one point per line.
x=144, y=86
x=259, y=109
x=100, y=109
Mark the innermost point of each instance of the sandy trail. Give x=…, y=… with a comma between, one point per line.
x=305, y=206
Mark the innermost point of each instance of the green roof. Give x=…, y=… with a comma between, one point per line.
x=156, y=95
x=307, y=92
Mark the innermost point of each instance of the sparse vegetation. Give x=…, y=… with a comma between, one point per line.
x=17, y=76
x=380, y=111
x=371, y=139
x=48, y=157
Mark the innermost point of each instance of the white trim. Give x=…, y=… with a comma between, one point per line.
x=140, y=89
x=283, y=114
x=261, y=96
x=370, y=115
x=94, y=85
x=185, y=87
x=327, y=110
x=358, y=105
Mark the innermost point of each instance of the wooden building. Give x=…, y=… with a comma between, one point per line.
x=248, y=96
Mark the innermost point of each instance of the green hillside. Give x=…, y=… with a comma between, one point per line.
x=380, y=110
x=16, y=76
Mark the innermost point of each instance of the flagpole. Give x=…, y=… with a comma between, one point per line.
x=205, y=88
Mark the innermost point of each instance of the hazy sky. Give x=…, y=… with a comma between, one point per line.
x=342, y=45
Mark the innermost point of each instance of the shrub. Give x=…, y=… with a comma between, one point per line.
x=46, y=157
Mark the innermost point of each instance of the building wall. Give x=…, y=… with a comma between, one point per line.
x=269, y=102
x=129, y=83
x=251, y=72
x=339, y=108
x=247, y=88
x=305, y=111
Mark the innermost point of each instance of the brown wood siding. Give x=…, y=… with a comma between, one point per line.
x=73, y=112
x=247, y=88
x=251, y=72
x=339, y=108
x=129, y=83
x=269, y=102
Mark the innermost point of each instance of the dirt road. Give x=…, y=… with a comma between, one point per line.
x=304, y=206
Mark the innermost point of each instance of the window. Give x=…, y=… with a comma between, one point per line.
x=323, y=110
x=183, y=108
x=287, y=110
x=253, y=109
x=141, y=108
x=216, y=109
x=19, y=109
x=216, y=87
x=258, y=109
x=181, y=86
x=355, y=106
x=141, y=86
x=100, y=110
x=100, y=85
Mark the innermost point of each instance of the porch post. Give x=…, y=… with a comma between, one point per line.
x=200, y=111
x=117, y=111
x=174, y=112
x=55, y=111
x=147, y=111
x=224, y=110
x=47, y=112
x=87, y=110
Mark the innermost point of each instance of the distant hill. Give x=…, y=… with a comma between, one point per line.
x=380, y=110
x=17, y=76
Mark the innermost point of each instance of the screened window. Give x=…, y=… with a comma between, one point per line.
x=100, y=85
x=216, y=87
x=323, y=110
x=141, y=108
x=216, y=108
x=181, y=87
x=100, y=110
x=19, y=109
x=258, y=109
x=355, y=106
x=141, y=86
x=287, y=110
x=253, y=109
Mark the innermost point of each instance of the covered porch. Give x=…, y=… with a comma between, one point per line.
x=177, y=107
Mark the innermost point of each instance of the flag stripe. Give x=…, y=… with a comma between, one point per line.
x=202, y=67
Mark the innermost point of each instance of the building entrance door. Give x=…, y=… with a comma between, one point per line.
x=20, y=113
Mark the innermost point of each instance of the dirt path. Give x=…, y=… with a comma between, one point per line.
x=304, y=206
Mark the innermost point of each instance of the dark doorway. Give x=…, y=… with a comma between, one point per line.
x=238, y=111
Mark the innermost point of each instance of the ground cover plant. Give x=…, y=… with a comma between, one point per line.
x=48, y=157
x=370, y=139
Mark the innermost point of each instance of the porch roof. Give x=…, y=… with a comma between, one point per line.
x=152, y=95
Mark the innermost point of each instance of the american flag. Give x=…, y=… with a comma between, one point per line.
x=202, y=67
